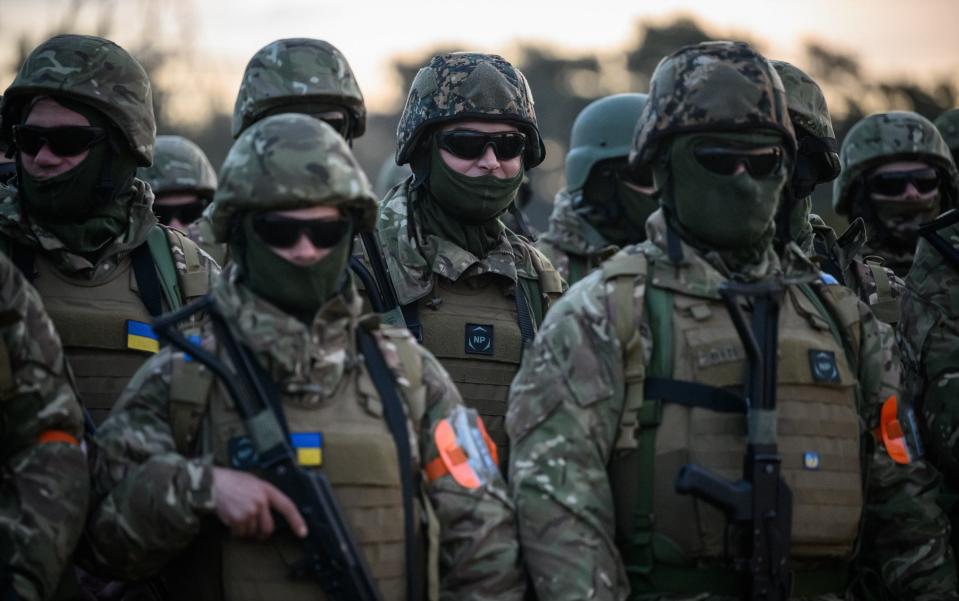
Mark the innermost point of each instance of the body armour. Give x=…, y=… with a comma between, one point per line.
x=336, y=402
x=201, y=232
x=466, y=310
x=572, y=245
x=101, y=312
x=694, y=340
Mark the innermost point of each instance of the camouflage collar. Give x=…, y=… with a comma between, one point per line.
x=572, y=234
x=15, y=225
x=414, y=262
x=696, y=274
x=309, y=361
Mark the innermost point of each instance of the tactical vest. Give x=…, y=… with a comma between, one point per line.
x=675, y=543
x=472, y=327
x=104, y=325
x=358, y=455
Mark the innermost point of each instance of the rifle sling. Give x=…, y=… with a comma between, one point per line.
x=395, y=416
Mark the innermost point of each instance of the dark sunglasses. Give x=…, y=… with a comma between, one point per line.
x=469, y=144
x=894, y=183
x=724, y=160
x=185, y=213
x=65, y=141
x=284, y=232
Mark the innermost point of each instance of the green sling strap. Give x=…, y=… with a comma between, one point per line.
x=159, y=247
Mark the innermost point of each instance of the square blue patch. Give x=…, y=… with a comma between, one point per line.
x=823, y=366
x=479, y=339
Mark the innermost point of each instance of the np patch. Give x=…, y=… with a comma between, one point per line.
x=810, y=460
x=823, y=366
x=479, y=339
x=308, y=447
x=242, y=453
x=141, y=337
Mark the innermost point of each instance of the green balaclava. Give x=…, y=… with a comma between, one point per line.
x=297, y=290
x=731, y=214
x=465, y=209
x=617, y=210
x=87, y=206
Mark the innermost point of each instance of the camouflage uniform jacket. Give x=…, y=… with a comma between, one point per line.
x=44, y=486
x=572, y=245
x=874, y=284
x=139, y=467
x=564, y=417
x=929, y=336
x=414, y=261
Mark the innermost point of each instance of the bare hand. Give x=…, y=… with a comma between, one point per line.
x=243, y=503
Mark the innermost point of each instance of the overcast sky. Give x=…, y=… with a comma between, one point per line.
x=890, y=37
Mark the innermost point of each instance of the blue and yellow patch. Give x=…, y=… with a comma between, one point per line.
x=141, y=337
x=308, y=447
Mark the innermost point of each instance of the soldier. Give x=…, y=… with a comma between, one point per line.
x=630, y=377
x=79, y=224
x=948, y=125
x=45, y=484
x=294, y=75
x=929, y=332
x=897, y=173
x=471, y=290
x=599, y=210
x=182, y=180
x=174, y=455
x=817, y=162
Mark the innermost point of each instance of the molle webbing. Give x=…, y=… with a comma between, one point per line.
x=483, y=376
x=886, y=307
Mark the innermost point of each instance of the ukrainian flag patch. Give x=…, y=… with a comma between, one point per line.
x=141, y=337
x=308, y=447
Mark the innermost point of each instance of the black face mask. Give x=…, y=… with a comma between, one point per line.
x=84, y=207
x=617, y=209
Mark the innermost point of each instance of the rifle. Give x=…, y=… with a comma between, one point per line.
x=331, y=553
x=930, y=231
x=761, y=502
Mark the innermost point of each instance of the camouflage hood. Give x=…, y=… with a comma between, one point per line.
x=93, y=71
x=713, y=86
x=569, y=232
x=290, y=161
x=14, y=225
x=298, y=354
x=298, y=70
x=887, y=137
x=414, y=262
x=468, y=85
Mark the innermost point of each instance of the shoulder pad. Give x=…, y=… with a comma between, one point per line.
x=629, y=261
x=193, y=265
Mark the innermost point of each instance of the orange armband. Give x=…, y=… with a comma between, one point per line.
x=57, y=436
x=890, y=432
x=466, y=451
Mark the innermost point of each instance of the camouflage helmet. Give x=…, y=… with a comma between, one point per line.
x=603, y=130
x=93, y=71
x=808, y=110
x=948, y=125
x=887, y=137
x=179, y=166
x=712, y=86
x=295, y=70
x=290, y=161
x=468, y=85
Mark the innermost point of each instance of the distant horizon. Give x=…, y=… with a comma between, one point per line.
x=915, y=42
